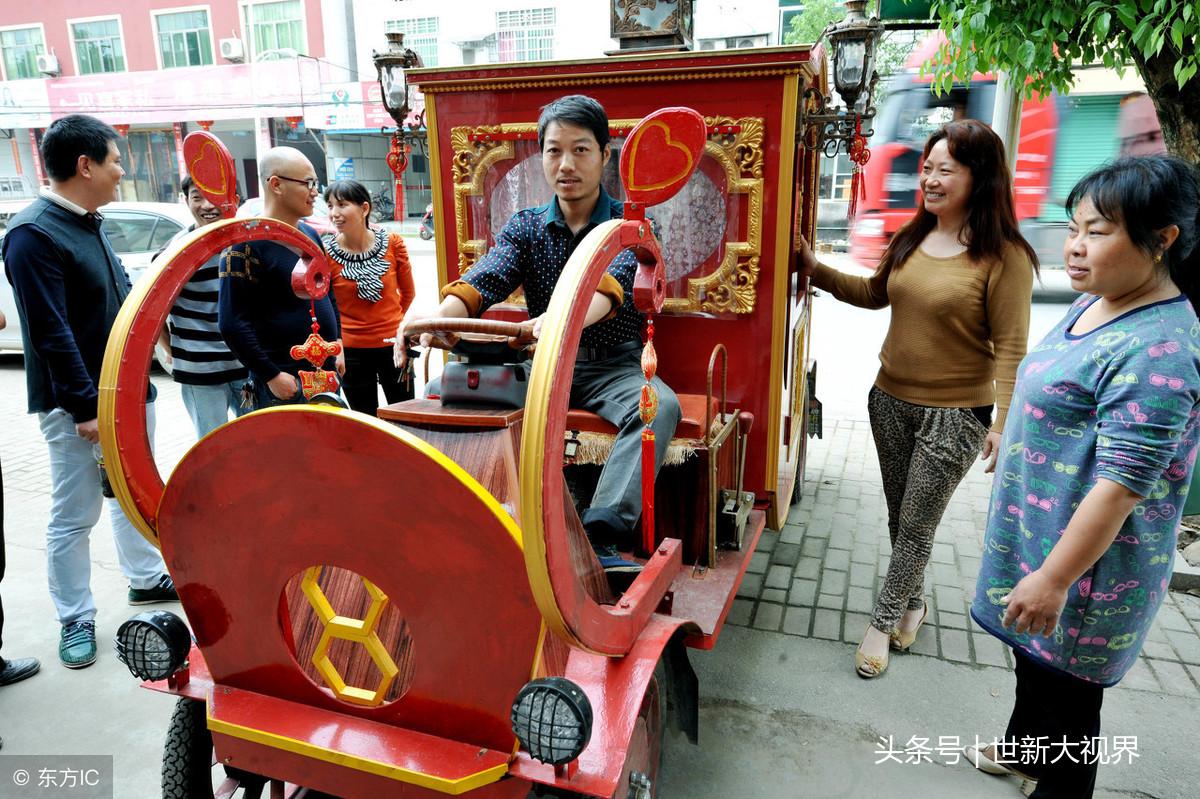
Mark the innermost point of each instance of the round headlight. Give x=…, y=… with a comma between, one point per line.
x=552, y=718
x=153, y=645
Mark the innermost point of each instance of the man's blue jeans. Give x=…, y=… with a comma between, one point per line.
x=75, y=501
x=210, y=406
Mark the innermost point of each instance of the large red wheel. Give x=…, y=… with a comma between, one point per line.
x=128, y=459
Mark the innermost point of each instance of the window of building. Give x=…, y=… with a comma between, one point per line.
x=184, y=38
x=524, y=35
x=98, y=46
x=21, y=47
x=420, y=35
x=275, y=29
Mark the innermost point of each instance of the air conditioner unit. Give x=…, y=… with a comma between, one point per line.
x=232, y=50
x=47, y=64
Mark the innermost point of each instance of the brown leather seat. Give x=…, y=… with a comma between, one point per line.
x=691, y=422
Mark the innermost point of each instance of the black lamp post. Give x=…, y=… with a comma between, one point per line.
x=854, y=41
x=393, y=65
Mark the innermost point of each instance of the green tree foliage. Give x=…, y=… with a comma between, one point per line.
x=1045, y=42
x=817, y=15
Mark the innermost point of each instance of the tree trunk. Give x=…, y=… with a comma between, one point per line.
x=1177, y=108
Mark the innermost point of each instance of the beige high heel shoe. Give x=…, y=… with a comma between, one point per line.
x=869, y=666
x=901, y=641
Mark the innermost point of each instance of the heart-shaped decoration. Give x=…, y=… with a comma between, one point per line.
x=661, y=153
x=211, y=167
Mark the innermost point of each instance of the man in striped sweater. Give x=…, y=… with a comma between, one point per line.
x=210, y=377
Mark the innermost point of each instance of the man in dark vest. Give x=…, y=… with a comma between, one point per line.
x=69, y=285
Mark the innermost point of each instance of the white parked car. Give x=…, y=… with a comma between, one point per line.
x=136, y=231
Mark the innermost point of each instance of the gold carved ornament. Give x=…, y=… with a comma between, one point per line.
x=729, y=288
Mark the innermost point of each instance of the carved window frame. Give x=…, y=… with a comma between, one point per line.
x=730, y=288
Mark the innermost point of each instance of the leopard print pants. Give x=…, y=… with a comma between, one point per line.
x=924, y=453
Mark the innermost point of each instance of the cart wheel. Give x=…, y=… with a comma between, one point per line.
x=639, y=778
x=187, y=770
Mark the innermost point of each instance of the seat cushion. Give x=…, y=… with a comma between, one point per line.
x=691, y=422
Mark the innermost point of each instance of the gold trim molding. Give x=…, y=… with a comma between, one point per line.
x=731, y=287
x=564, y=80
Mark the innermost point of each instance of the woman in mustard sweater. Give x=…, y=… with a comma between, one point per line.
x=959, y=278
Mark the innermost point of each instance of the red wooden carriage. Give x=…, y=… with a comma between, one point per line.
x=380, y=606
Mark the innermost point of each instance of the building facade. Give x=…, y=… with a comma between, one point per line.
x=263, y=72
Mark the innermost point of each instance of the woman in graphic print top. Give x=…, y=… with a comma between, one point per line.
x=1096, y=463
x=373, y=284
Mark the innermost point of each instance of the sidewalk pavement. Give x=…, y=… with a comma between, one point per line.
x=783, y=676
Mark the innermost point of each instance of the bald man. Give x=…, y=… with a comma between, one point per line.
x=258, y=314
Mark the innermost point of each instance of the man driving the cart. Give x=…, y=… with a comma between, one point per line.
x=530, y=252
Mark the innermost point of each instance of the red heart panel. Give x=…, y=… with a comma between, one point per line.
x=661, y=153
x=212, y=170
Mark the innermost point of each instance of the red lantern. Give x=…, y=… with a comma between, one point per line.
x=397, y=157
x=205, y=124
x=294, y=121
x=122, y=129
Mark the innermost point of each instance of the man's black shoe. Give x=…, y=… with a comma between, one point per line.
x=12, y=671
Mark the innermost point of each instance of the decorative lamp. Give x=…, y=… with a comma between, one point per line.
x=835, y=129
x=392, y=65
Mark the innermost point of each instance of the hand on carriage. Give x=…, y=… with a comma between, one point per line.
x=456, y=333
x=806, y=259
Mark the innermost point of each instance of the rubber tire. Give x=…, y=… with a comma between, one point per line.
x=425, y=233
x=187, y=755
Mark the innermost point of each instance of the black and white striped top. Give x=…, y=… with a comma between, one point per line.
x=202, y=358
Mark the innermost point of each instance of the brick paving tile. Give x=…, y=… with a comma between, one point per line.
x=796, y=621
x=860, y=600
x=1187, y=646
x=1170, y=618
x=833, y=581
x=827, y=624
x=808, y=568
x=942, y=553
x=855, y=627
x=955, y=621
x=831, y=601
x=768, y=616
x=1173, y=677
x=1140, y=678
x=865, y=554
x=803, y=593
x=751, y=585
x=741, y=612
x=955, y=645
x=837, y=559
x=926, y=643
x=989, y=651
x=813, y=547
x=773, y=595
x=791, y=534
x=863, y=574
x=758, y=562
x=786, y=554
x=1189, y=605
x=1159, y=650
x=779, y=576
x=766, y=542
